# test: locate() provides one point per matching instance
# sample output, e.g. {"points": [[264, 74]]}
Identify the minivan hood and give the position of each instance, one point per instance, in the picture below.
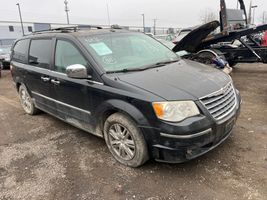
{"points": [[182, 80]]}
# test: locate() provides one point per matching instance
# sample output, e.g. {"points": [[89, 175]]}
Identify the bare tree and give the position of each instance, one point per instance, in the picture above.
{"points": [[208, 15]]}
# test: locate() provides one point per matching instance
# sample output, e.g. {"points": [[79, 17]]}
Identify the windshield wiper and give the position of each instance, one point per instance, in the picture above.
{"points": [[161, 64], [126, 70], [168, 62], [158, 64]]}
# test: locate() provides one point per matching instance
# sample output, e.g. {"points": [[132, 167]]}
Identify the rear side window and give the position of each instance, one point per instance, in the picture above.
{"points": [[40, 53], [66, 55], [20, 51]]}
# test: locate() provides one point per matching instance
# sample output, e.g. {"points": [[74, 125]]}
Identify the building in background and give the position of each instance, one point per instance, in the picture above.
{"points": [[11, 30]]}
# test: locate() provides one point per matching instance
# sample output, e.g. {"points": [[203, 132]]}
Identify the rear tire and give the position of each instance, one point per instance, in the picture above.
{"points": [[26, 101], [125, 140]]}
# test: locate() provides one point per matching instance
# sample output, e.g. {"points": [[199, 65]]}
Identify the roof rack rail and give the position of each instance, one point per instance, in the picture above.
{"points": [[89, 26], [116, 26], [69, 28]]}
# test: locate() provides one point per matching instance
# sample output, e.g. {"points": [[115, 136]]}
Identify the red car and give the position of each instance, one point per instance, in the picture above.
{"points": [[264, 39]]}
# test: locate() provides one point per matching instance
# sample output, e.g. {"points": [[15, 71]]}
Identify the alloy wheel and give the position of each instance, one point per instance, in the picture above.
{"points": [[121, 141], [25, 100]]}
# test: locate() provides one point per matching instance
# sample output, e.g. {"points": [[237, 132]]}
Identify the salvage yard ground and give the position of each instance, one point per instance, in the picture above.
{"points": [[42, 157]]}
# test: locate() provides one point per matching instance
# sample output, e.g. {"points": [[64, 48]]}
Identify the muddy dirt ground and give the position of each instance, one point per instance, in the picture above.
{"points": [[42, 157]]}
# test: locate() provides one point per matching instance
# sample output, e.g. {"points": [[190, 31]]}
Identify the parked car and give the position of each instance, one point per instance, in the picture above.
{"points": [[150, 34], [5, 57], [235, 46], [206, 57], [181, 34], [167, 43], [166, 37], [128, 88], [264, 39]]}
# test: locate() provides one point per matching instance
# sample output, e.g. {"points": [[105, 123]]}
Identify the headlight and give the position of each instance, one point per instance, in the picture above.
{"points": [[175, 111]]}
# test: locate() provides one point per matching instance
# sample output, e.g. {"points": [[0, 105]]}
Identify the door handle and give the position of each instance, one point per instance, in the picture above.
{"points": [[56, 82], [45, 79]]}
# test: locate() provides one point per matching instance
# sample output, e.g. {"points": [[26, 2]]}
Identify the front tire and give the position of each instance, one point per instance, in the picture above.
{"points": [[125, 140], [26, 101]]}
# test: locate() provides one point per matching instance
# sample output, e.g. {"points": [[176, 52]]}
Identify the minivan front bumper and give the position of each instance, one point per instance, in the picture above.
{"points": [[178, 148]]}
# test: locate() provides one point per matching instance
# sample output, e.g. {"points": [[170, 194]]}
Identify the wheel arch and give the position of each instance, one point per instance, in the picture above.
{"points": [[110, 107], [215, 52], [18, 84]]}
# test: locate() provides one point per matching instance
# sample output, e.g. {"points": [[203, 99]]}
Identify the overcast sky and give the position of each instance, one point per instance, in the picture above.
{"points": [[170, 13]]}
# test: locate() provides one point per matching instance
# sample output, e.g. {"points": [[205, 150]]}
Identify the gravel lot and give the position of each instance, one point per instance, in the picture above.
{"points": [[42, 157]]}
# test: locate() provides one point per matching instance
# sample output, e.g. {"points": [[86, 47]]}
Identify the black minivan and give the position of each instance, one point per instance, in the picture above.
{"points": [[128, 88]]}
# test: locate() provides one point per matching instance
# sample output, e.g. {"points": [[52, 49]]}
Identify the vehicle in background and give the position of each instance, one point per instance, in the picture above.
{"points": [[181, 34], [150, 34], [264, 40], [128, 88], [167, 37], [236, 42], [5, 57], [167, 43], [206, 57]]}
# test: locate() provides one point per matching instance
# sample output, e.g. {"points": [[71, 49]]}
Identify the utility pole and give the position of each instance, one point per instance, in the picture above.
{"points": [[67, 11], [254, 8], [108, 14], [144, 22], [22, 28], [250, 14], [155, 20], [264, 18]]}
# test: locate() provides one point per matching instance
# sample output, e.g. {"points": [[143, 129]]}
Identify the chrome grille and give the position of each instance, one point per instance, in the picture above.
{"points": [[220, 103]]}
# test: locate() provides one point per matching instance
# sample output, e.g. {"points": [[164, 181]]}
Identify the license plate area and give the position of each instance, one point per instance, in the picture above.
{"points": [[229, 126]]}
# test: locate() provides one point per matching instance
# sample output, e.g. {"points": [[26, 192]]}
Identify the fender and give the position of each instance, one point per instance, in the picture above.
{"points": [[17, 79], [18, 82], [116, 105]]}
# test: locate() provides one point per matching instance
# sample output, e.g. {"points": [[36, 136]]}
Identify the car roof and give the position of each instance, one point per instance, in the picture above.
{"points": [[75, 33]]}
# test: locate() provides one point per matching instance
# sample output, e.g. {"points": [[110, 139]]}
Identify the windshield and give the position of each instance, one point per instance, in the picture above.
{"points": [[126, 51]]}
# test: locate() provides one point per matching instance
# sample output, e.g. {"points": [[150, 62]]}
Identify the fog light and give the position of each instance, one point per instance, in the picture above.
{"points": [[189, 151]]}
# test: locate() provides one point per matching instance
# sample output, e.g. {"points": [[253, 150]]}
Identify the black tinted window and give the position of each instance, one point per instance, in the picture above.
{"points": [[40, 53], [20, 51], [66, 55]]}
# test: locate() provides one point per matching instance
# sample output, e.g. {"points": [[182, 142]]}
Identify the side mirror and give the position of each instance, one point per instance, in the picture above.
{"points": [[77, 71]]}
